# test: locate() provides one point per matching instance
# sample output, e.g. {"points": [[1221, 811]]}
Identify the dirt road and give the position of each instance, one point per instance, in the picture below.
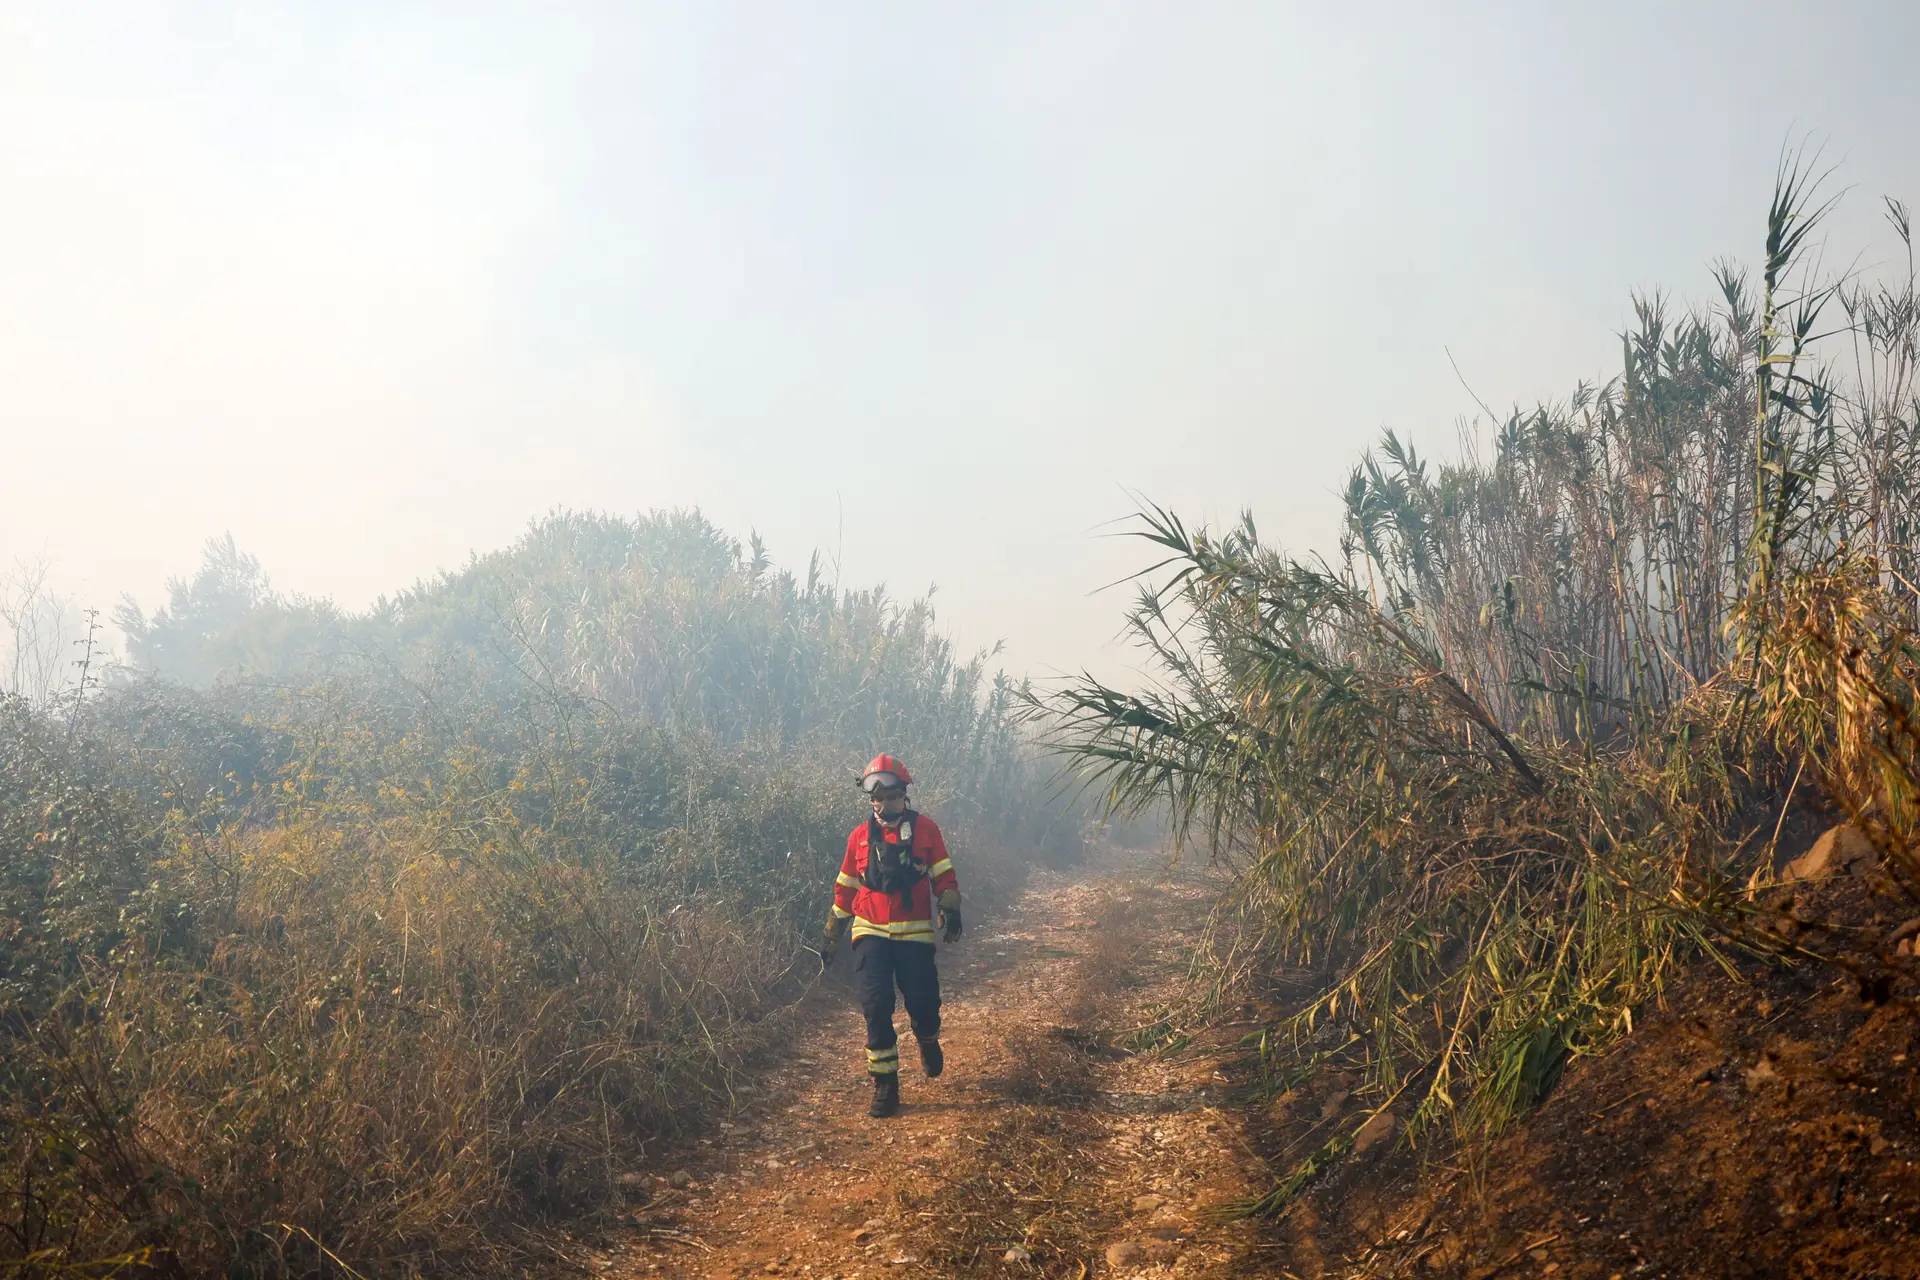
{"points": [[1050, 1146]]}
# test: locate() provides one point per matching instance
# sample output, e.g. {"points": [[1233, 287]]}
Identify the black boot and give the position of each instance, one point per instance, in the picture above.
{"points": [[886, 1095], [931, 1059]]}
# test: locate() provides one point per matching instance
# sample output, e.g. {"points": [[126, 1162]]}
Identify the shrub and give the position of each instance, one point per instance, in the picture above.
{"points": [[392, 947]]}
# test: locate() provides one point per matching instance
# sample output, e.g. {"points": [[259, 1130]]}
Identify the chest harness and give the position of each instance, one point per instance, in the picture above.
{"points": [[891, 868]]}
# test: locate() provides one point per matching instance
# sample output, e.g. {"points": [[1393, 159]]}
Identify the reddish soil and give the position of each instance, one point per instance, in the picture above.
{"points": [[1765, 1123], [1037, 1150]]}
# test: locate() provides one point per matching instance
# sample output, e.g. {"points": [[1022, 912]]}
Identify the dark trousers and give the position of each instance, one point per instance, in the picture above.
{"points": [[879, 964]]}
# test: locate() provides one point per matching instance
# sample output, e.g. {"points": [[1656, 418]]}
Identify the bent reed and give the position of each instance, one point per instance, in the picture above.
{"points": [[1491, 771]]}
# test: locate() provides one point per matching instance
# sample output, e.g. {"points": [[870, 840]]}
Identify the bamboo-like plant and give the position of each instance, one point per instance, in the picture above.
{"points": [[1474, 771]]}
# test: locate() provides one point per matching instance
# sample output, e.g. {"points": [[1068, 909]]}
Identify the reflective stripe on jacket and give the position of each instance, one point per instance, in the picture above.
{"points": [[882, 915]]}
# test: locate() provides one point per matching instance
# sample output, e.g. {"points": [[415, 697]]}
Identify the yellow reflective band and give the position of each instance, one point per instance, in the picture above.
{"points": [[884, 1068], [839, 912], [898, 930], [847, 880], [941, 867], [881, 1055]]}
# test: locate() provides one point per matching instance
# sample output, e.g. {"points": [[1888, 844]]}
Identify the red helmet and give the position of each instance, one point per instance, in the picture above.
{"points": [[884, 771]]}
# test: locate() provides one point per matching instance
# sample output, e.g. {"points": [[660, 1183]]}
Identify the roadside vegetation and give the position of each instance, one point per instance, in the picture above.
{"points": [[386, 943], [1547, 720]]}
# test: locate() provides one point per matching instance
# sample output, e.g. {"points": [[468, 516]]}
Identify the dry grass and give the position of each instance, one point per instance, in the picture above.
{"points": [[386, 1058], [395, 967], [1837, 687]]}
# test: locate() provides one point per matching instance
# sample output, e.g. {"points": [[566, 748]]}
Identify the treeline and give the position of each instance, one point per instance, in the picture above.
{"points": [[389, 940], [1489, 770]]}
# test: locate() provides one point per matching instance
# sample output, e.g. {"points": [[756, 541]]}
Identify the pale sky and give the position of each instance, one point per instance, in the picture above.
{"points": [[373, 285]]}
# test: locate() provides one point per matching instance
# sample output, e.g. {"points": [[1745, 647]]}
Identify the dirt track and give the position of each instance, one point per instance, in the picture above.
{"points": [[1037, 1152], [1758, 1126]]}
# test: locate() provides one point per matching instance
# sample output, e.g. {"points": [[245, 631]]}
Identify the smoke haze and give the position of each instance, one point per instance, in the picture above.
{"points": [[928, 290]]}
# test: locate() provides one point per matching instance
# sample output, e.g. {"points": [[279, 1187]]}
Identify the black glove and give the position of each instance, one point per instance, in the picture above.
{"points": [[950, 924], [830, 941]]}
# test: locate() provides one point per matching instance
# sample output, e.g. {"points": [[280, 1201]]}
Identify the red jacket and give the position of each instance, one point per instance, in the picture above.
{"points": [[881, 915]]}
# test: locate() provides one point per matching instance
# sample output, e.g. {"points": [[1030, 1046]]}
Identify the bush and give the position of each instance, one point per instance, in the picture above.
{"points": [[394, 948]]}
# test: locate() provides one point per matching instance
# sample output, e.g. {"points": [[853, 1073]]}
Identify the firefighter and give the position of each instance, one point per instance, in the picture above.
{"points": [[895, 872]]}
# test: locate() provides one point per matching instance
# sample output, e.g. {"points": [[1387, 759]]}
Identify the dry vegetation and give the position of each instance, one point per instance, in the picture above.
{"points": [[394, 948], [1489, 773], [387, 942]]}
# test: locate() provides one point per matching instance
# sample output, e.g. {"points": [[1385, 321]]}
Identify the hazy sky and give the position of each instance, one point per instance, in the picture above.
{"points": [[373, 285]]}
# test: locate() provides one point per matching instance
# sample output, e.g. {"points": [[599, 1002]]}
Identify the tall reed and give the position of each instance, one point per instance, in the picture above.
{"points": [[1474, 767]]}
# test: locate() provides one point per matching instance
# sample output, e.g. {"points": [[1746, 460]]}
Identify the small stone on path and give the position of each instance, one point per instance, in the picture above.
{"points": [[1125, 1253], [1147, 1204]]}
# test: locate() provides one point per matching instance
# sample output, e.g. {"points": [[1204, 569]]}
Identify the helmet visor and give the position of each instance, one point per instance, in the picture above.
{"points": [[878, 781]]}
